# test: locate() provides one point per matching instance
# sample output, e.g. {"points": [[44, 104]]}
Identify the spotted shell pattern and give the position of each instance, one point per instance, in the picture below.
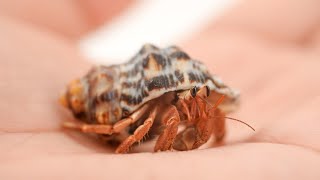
{"points": [[152, 72]]}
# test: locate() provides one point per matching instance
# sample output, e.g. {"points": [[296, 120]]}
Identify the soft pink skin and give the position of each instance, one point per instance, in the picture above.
{"points": [[276, 66]]}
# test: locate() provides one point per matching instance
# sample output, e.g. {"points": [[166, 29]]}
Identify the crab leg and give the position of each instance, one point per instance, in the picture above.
{"points": [[138, 134], [123, 123], [183, 107], [214, 124], [203, 133], [212, 121], [185, 139], [218, 123], [106, 129], [203, 126], [194, 136], [170, 120], [88, 128]]}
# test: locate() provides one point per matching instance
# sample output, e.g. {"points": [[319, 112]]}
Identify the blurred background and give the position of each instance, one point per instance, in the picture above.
{"points": [[162, 22]]}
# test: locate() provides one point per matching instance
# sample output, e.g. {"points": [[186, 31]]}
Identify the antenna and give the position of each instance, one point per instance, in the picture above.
{"points": [[219, 101]]}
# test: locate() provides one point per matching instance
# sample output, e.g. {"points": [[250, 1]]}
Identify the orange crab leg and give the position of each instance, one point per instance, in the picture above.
{"points": [[218, 125], [123, 123], [171, 122], [88, 128], [138, 134]]}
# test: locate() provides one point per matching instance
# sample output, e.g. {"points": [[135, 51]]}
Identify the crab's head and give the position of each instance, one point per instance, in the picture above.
{"points": [[74, 98]]}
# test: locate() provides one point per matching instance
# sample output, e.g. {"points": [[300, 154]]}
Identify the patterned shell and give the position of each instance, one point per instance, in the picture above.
{"points": [[122, 89]]}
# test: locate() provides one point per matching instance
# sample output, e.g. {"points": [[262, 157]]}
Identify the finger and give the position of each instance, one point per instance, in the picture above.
{"points": [[69, 18]]}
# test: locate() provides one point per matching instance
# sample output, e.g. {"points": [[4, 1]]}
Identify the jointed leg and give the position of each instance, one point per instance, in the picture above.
{"points": [[88, 128], [123, 123], [185, 139], [183, 107], [171, 122], [203, 123], [214, 123], [106, 129], [194, 137], [199, 129], [138, 134], [203, 132], [218, 123]]}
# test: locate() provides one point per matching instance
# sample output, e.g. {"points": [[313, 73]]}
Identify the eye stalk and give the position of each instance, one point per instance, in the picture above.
{"points": [[194, 91]]}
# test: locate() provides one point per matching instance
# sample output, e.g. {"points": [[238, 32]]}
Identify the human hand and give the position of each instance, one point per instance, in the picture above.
{"points": [[277, 75]]}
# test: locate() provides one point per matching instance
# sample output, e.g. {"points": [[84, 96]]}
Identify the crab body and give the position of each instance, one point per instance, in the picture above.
{"points": [[154, 84]]}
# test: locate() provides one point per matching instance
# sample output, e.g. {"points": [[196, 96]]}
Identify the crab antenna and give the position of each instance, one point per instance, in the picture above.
{"points": [[217, 104], [240, 122], [219, 101]]}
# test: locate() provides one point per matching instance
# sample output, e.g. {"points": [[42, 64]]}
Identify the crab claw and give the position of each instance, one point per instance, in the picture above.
{"points": [[203, 133], [185, 139]]}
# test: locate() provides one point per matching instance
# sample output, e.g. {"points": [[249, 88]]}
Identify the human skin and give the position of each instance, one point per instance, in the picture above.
{"points": [[267, 49]]}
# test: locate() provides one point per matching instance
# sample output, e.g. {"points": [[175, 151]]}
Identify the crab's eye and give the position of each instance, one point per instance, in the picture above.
{"points": [[194, 91], [208, 91]]}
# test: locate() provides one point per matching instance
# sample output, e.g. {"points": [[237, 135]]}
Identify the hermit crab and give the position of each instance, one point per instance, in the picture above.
{"points": [[160, 92]]}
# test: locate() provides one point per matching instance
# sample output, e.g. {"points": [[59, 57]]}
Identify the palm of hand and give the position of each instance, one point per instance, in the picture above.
{"points": [[280, 98]]}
